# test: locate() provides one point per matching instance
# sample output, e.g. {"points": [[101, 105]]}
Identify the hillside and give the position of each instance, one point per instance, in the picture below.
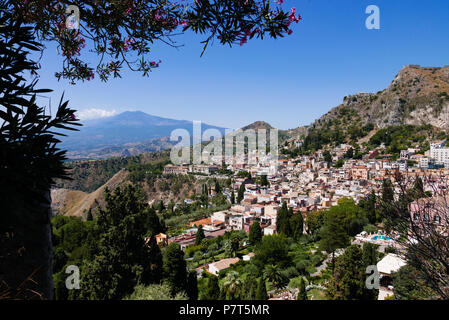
{"points": [[417, 96], [77, 203]]}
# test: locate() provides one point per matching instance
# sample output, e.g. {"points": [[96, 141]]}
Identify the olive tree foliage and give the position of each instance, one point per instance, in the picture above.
{"points": [[420, 222], [123, 33], [29, 162]]}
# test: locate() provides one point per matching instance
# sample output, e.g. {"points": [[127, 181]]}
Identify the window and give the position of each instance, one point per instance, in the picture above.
{"points": [[437, 219]]}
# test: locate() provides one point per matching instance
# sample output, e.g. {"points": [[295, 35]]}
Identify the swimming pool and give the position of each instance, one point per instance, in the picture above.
{"points": [[380, 238]]}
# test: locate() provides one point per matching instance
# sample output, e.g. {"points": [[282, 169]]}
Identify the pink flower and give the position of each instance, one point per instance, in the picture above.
{"points": [[290, 31], [279, 2]]}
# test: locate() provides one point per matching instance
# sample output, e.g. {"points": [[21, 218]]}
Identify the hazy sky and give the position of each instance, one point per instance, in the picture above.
{"points": [[287, 82]]}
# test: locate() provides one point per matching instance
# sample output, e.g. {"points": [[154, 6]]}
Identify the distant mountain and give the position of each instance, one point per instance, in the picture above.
{"points": [[125, 134], [258, 125]]}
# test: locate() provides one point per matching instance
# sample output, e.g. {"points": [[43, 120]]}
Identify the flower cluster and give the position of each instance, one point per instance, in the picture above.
{"points": [[115, 30]]}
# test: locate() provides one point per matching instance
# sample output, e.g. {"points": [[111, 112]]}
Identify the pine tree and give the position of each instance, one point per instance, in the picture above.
{"points": [[232, 197], [348, 281], [333, 235]]}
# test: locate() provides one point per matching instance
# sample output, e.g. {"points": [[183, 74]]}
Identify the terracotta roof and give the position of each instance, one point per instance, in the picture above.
{"points": [[225, 263], [201, 222]]}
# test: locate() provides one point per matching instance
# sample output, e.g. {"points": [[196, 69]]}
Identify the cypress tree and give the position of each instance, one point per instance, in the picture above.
{"points": [[212, 289], [175, 269], [261, 292], [255, 233], [241, 193], [302, 294], [283, 221], [199, 235], [192, 285]]}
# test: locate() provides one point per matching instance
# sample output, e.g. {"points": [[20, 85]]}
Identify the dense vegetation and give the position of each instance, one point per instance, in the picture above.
{"points": [[88, 175]]}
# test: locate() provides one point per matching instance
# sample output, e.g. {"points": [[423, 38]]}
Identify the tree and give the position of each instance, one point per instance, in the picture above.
{"points": [[217, 187], [264, 180], [369, 206], [272, 273], [155, 292], [155, 261], [348, 281], [410, 284], [420, 226], [349, 154], [30, 160], [235, 243], [283, 220], [120, 257], [339, 163], [272, 249], [351, 216], [161, 206], [255, 233], [199, 235], [302, 293], [117, 32], [212, 291], [240, 193], [89, 216], [333, 235], [175, 268], [327, 157], [232, 197], [192, 285], [369, 258], [130, 28], [315, 221], [232, 286], [261, 292], [297, 225]]}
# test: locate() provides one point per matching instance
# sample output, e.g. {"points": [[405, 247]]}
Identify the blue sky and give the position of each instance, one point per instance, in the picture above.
{"points": [[287, 82]]}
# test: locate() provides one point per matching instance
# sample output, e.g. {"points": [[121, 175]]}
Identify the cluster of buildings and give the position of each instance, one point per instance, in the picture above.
{"points": [[308, 183]]}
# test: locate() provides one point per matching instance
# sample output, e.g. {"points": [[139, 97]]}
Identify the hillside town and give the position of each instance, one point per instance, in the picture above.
{"points": [[307, 184]]}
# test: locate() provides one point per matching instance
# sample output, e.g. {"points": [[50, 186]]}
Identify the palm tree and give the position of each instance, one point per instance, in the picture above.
{"points": [[232, 285], [273, 274]]}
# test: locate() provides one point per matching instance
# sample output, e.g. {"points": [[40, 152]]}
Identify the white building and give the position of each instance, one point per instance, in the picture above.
{"points": [[389, 264], [438, 152]]}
